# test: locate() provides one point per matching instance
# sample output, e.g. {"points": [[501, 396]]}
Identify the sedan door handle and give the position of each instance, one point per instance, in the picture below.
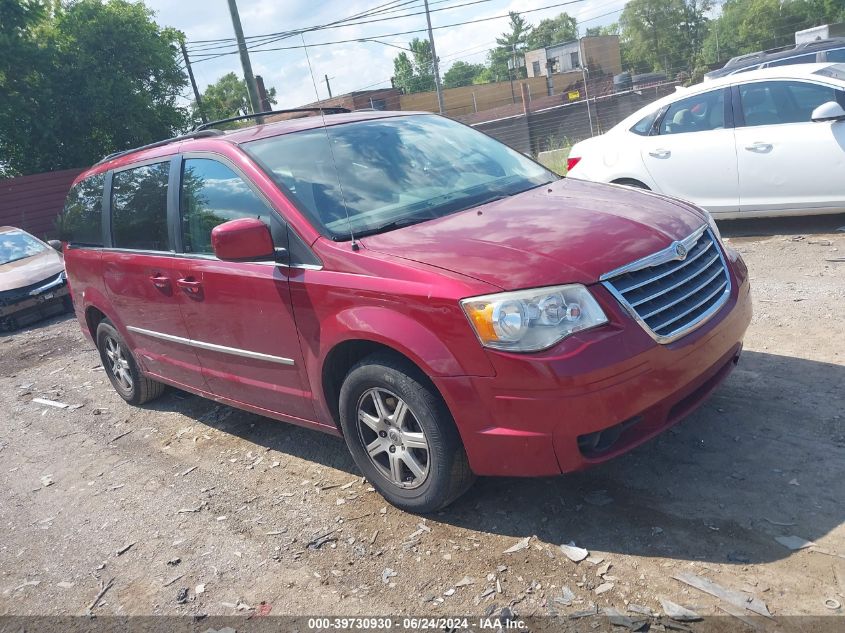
{"points": [[189, 285], [160, 281], [759, 147], [660, 153]]}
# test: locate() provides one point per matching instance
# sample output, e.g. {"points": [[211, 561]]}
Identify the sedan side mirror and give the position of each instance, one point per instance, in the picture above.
{"points": [[56, 244], [830, 111], [247, 239]]}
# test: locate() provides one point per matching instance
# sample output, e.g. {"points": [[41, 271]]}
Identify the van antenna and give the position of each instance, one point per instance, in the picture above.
{"points": [[329, 142]]}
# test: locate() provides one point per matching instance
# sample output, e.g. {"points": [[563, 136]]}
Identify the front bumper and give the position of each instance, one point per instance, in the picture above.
{"points": [[28, 305], [597, 395]]}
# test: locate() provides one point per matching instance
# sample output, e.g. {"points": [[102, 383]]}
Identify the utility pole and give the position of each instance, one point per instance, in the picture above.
{"points": [[434, 57], [262, 94], [251, 86], [328, 86], [197, 96], [587, 97], [512, 71]]}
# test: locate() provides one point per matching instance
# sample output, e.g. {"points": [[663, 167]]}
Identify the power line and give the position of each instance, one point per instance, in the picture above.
{"points": [[387, 35], [275, 37], [348, 21], [257, 40], [376, 9]]}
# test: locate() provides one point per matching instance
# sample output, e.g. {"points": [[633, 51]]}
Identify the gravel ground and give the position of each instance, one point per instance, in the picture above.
{"points": [[195, 508]]}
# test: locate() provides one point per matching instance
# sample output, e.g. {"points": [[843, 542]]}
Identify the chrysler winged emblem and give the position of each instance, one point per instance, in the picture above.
{"points": [[680, 251]]}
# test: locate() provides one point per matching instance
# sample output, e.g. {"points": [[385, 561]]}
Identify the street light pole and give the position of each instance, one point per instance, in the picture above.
{"points": [[251, 86], [436, 65]]}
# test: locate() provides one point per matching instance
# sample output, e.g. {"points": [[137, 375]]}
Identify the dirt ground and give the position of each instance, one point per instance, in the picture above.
{"points": [[195, 508]]}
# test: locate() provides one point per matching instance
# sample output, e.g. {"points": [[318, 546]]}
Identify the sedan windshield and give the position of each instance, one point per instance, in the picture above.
{"points": [[16, 245], [373, 176]]}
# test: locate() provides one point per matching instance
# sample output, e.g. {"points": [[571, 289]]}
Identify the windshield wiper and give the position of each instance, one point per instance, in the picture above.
{"points": [[16, 259], [391, 226]]}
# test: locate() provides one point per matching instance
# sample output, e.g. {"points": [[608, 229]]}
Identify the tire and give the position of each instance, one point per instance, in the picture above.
{"points": [[121, 368], [67, 303], [412, 478]]}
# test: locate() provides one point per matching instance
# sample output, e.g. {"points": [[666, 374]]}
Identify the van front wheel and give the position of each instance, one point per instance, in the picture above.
{"points": [[401, 435]]}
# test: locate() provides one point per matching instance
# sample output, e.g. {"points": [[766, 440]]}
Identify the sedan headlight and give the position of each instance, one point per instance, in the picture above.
{"points": [[532, 320]]}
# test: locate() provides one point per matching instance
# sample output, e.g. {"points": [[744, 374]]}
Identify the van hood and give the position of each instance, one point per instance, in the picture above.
{"points": [[30, 270], [569, 231]]}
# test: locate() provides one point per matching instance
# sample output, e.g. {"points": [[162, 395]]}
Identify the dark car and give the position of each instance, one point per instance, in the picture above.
{"points": [[33, 284], [827, 50]]}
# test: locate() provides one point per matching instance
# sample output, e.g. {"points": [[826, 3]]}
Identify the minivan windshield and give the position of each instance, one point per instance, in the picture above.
{"points": [[377, 175], [15, 245]]}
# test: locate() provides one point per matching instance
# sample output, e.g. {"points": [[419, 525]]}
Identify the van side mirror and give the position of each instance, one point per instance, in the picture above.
{"points": [[830, 111], [247, 239]]}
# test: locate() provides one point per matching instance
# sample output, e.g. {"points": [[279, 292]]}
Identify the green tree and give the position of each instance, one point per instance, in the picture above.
{"points": [[462, 74], [664, 35], [414, 73], [510, 46], [557, 30], [20, 58], [746, 26], [227, 97], [599, 31], [93, 77]]}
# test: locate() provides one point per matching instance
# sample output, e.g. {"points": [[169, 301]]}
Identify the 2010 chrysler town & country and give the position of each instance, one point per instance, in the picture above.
{"points": [[448, 306]]}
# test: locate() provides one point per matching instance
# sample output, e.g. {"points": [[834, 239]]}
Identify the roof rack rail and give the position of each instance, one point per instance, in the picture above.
{"points": [[167, 141], [243, 117]]}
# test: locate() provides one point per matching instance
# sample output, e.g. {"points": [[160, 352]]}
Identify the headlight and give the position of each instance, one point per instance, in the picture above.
{"points": [[532, 320]]}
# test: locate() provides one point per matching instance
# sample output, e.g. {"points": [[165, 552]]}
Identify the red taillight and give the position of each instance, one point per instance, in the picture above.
{"points": [[571, 162]]}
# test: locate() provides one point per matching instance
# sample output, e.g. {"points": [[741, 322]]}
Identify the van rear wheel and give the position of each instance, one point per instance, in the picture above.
{"points": [[121, 368], [402, 436]]}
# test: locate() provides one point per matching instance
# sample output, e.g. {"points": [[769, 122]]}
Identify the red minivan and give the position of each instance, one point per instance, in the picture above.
{"points": [[445, 304]]}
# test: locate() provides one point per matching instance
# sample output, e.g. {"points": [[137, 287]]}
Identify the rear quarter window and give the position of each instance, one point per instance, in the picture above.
{"points": [[81, 221], [644, 126]]}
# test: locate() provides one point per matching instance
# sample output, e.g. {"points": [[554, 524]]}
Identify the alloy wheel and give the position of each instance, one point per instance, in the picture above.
{"points": [[393, 438], [119, 365]]}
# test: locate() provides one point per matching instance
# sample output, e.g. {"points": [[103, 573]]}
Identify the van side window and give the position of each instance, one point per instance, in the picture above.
{"points": [[139, 208], [81, 222], [213, 194]]}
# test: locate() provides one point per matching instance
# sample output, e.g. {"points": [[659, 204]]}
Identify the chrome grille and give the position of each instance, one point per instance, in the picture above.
{"points": [[675, 290]]}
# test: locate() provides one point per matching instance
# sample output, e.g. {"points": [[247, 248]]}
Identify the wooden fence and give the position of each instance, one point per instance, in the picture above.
{"points": [[32, 203]]}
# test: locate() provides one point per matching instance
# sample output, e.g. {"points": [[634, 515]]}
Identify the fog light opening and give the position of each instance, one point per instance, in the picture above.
{"points": [[599, 442]]}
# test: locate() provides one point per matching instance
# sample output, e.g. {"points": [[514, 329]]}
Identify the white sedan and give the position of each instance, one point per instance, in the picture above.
{"points": [[763, 143]]}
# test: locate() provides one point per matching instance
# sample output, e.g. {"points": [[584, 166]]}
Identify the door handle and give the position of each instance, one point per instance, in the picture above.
{"points": [[660, 153], [189, 285], [160, 281], [759, 147]]}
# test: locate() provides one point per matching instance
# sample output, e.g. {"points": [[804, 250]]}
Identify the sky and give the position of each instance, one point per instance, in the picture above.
{"points": [[352, 65]]}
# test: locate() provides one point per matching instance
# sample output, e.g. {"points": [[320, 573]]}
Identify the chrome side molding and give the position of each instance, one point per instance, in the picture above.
{"points": [[234, 351]]}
